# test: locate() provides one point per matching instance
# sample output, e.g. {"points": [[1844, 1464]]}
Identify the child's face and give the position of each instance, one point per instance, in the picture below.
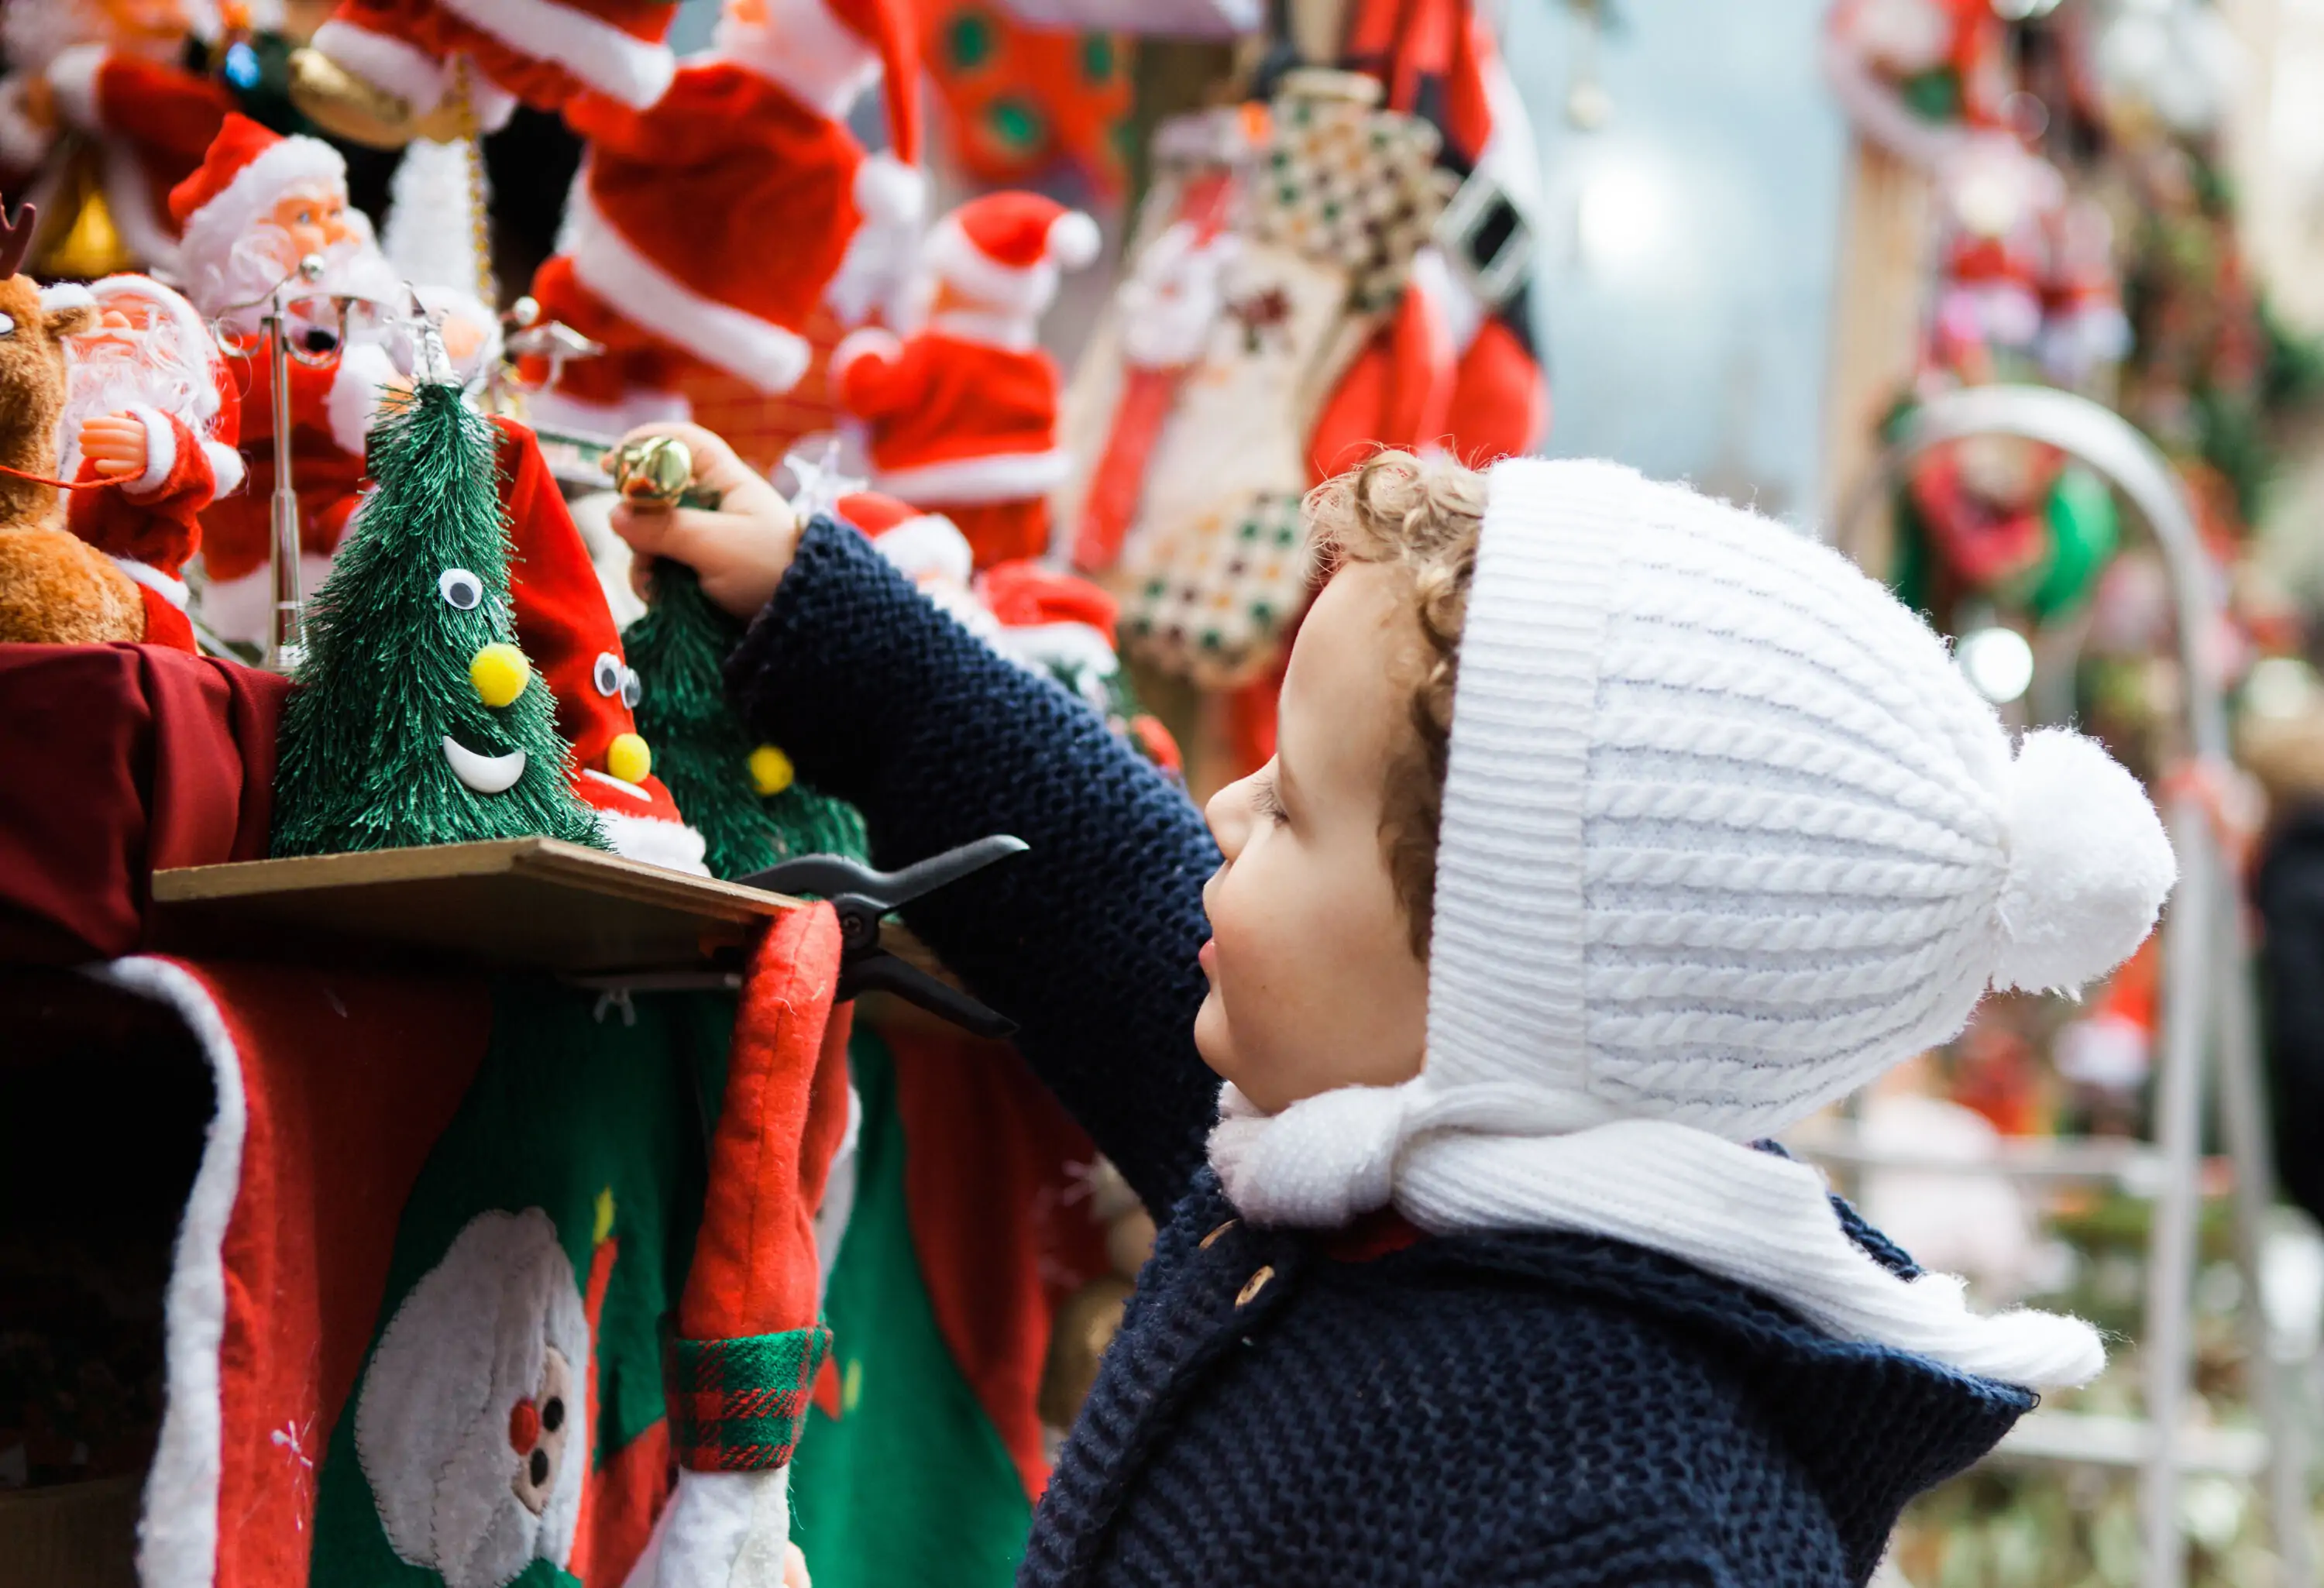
{"points": [[1313, 981]]}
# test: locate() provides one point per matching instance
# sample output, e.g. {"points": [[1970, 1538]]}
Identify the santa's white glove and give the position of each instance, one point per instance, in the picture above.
{"points": [[726, 1530]]}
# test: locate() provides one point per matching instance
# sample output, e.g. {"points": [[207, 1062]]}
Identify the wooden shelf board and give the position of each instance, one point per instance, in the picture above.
{"points": [[532, 903]]}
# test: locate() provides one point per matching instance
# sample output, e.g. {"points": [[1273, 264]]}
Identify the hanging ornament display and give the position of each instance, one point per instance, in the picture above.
{"points": [[1019, 101]]}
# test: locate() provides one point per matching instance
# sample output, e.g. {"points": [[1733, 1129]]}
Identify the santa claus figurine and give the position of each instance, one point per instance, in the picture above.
{"points": [[146, 436], [259, 206], [754, 135], [961, 417], [124, 89]]}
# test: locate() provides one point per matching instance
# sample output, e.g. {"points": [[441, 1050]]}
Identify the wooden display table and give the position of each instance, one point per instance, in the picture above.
{"points": [[516, 903]]}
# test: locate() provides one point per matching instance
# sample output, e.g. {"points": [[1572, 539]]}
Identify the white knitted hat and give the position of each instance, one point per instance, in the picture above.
{"points": [[1725, 834]]}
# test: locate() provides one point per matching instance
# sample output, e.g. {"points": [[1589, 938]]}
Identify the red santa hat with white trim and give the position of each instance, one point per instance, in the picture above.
{"points": [[247, 169], [1004, 250]]}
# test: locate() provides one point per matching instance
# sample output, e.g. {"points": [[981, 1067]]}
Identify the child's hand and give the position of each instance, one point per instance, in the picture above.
{"points": [[741, 549], [115, 443]]}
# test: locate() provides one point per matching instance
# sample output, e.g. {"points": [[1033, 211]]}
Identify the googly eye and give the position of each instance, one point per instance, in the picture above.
{"points": [[608, 674], [461, 589], [633, 688], [7, 325]]}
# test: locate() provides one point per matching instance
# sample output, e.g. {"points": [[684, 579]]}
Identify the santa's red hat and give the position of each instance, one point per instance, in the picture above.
{"points": [[892, 30], [1004, 250], [247, 169]]}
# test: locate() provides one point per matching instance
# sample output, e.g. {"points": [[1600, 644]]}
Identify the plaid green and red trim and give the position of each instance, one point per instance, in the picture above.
{"points": [[737, 1405]]}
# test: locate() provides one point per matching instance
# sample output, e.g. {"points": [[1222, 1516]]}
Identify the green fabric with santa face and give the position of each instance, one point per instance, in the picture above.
{"points": [[552, 1226], [387, 740]]}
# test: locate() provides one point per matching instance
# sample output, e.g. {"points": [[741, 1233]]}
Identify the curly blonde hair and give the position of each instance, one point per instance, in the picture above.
{"points": [[1420, 515]]}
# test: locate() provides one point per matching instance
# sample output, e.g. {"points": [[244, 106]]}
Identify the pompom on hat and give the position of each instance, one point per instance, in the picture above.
{"points": [[1725, 834]]}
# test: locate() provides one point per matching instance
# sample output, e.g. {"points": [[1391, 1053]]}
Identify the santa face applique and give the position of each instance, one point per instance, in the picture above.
{"points": [[471, 1426]]}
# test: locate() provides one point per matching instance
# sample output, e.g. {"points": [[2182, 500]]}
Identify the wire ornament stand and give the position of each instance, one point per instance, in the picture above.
{"points": [[2211, 1018]]}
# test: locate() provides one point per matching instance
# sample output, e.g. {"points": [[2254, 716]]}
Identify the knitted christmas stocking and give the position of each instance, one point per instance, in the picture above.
{"points": [[749, 1340]]}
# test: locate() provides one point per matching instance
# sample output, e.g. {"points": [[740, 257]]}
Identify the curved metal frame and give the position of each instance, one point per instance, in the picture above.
{"points": [[2207, 965]]}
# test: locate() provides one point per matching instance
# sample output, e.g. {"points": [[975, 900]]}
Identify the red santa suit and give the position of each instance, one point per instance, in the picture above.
{"points": [[542, 53], [154, 121], [961, 417], [149, 525], [566, 632], [755, 139]]}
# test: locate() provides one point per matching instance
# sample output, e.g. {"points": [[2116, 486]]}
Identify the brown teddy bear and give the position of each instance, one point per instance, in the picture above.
{"points": [[54, 588]]}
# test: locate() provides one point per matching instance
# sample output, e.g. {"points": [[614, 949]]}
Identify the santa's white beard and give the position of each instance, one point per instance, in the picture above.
{"points": [[230, 290], [109, 376]]}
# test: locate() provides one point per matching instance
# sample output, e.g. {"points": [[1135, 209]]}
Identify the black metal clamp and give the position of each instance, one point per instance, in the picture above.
{"points": [[862, 896]]}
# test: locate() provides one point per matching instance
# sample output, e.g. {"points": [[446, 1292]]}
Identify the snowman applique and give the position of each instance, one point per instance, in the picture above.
{"points": [[471, 1426]]}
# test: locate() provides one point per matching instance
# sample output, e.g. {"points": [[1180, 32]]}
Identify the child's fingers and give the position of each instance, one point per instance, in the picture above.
{"points": [[716, 470]]}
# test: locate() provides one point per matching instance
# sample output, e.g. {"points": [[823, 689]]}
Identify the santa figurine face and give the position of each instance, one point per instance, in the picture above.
{"points": [[311, 221]]}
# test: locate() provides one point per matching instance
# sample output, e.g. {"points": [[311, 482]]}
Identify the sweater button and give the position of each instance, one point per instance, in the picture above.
{"points": [[1211, 1240], [1253, 1286]]}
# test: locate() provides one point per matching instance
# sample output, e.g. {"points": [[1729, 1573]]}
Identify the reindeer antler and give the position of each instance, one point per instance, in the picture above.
{"points": [[15, 237]]}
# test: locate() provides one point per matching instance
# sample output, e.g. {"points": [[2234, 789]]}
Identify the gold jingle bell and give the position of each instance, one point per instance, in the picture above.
{"points": [[654, 469]]}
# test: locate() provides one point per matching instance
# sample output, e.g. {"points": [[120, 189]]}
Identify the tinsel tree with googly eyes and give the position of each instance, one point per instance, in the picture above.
{"points": [[414, 717], [738, 794]]}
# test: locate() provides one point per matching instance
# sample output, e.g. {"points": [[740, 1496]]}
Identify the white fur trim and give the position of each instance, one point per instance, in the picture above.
{"points": [[1076, 647], [726, 1530], [888, 190], [62, 295], [242, 609], [226, 468], [160, 450], [824, 64], [653, 840], [999, 476], [1015, 333], [759, 351], [214, 228], [72, 78], [364, 368], [142, 229], [22, 144], [930, 546], [600, 54], [172, 591], [403, 69], [870, 342], [177, 1535], [954, 258]]}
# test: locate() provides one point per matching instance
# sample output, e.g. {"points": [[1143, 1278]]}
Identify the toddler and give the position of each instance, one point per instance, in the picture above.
{"points": [[1612, 829]]}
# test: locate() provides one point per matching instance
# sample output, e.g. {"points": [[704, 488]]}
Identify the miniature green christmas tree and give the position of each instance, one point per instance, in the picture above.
{"points": [[737, 793], [414, 719]]}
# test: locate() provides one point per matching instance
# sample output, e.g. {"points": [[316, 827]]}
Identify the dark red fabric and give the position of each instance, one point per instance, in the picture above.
{"points": [[1001, 1226], [147, 758]]}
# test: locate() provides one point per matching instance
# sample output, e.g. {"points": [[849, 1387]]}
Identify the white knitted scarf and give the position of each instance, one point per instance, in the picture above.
{"points": [[1453, 1161]]}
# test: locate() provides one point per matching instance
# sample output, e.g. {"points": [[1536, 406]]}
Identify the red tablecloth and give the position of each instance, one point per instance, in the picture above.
{"points": [[122, 759]]}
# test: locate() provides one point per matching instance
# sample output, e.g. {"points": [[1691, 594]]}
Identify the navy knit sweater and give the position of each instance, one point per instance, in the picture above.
{"points": [[1281, 1409]]}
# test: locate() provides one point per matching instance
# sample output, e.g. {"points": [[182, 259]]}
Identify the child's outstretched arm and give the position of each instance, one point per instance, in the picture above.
{"points": [[1089, 940]]}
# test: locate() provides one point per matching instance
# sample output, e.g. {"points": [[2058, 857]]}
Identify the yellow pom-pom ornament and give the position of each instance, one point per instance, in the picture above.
{"points": [[771, 771], [628, 759], [500, 673]]}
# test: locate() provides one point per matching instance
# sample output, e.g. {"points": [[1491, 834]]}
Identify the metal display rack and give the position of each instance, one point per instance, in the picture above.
{"points": [[2209, 1031]]}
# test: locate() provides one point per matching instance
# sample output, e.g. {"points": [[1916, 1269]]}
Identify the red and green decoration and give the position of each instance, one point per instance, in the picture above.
{"points": [[1022, 101], [414, 719]]}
